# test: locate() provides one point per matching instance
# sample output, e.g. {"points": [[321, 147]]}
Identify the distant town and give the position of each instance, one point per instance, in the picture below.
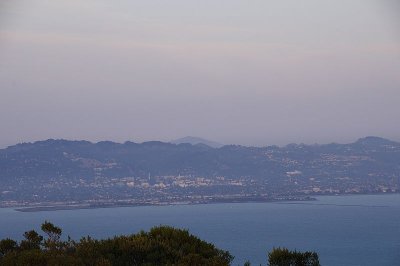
{"points": [[59, 174]]}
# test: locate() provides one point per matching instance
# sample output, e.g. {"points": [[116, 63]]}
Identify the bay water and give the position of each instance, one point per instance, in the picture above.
{"points": [[343, 230]]}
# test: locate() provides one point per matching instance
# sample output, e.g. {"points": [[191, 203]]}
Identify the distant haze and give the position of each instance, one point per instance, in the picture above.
{"points": [[246, 72]]}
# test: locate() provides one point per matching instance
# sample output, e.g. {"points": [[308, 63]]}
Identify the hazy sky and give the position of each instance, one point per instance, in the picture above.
{"points": [[248, 72]]}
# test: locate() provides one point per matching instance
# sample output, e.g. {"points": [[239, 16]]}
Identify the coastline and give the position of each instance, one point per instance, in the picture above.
{"points": [[60, 207], [56, 206]]}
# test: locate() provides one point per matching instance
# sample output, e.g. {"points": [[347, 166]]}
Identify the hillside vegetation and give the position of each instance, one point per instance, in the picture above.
{"points": [[162, 245]]}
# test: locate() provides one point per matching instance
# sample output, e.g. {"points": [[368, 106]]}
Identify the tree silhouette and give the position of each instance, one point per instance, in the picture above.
{"points": [[162, 245], [54, 234], [285, 257]]}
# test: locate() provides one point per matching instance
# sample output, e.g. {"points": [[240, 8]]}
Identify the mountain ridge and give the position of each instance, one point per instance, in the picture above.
{"points": [[196, 140], [374, 140], [62, 170]]}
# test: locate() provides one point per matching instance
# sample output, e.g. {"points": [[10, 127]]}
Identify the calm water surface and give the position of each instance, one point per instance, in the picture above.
{"points": [[344, 230]]}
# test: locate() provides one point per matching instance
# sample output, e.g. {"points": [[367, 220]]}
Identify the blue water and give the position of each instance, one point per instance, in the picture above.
{"points": [[344, 230]]}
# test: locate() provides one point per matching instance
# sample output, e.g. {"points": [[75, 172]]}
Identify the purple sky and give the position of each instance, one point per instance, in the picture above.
{"points": [[246, 72]]}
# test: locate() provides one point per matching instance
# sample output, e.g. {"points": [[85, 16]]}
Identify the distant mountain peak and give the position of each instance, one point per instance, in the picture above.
{"points": [[196, 140], [373, 140]]}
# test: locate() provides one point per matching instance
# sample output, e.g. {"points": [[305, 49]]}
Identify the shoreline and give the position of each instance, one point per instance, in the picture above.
{"points": [[144, 204], [256, 199]]}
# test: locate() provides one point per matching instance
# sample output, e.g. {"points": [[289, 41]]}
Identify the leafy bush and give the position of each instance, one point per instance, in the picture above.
{"points": [[162, 245], [285, 257]]}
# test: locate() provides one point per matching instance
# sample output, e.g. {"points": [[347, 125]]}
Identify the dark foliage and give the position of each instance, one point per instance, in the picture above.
{"points": [[285, 257], [162, 245]]}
